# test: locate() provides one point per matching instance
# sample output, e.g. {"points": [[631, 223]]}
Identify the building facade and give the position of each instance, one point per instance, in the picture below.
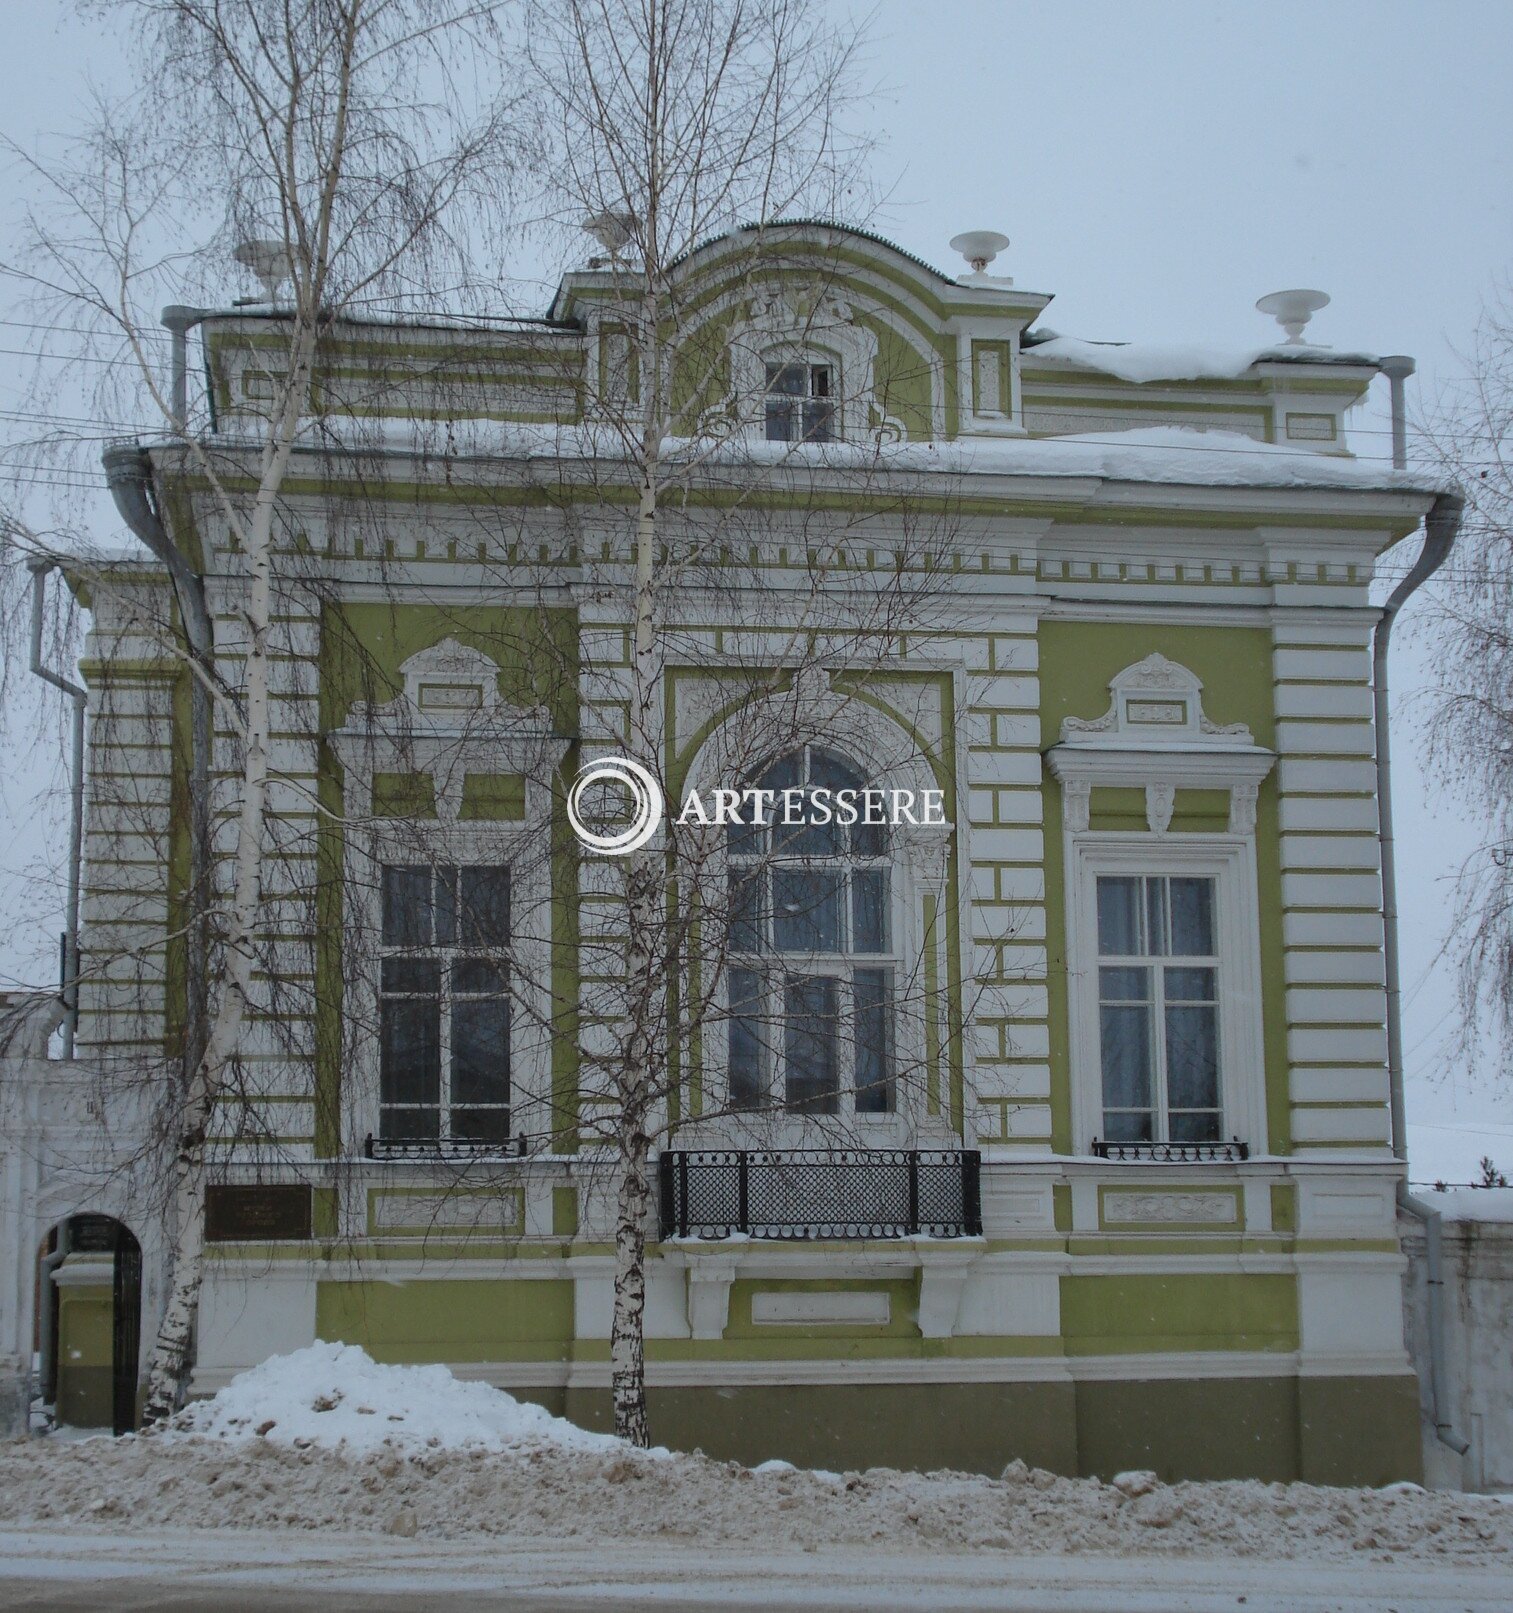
{"points": [[1057, 1129]]}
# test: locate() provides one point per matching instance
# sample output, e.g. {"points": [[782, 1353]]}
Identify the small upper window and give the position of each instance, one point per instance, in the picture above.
{"points": [[800, 403]]}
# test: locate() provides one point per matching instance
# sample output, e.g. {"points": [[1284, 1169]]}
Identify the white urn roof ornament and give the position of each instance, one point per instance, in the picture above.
{"points": [[979, 248], [611, 229], [268, 261], [1292, 310]]}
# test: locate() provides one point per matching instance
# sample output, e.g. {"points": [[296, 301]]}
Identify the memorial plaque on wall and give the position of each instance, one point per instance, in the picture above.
{"points": [[256, 1213]]}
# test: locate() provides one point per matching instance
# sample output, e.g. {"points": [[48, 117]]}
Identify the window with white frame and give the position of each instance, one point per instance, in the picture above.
{"points": [[1159, 982], [811, 972], [444, 1010], [800, 403]]}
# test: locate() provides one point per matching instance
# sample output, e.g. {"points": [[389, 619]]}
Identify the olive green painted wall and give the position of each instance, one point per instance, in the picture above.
{"points": [[1203, 1311], [447, 1320], [1320, 1430], [1077, 661]]}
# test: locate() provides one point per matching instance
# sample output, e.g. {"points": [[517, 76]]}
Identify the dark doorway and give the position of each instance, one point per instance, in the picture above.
{"points": [[90, 1377]]}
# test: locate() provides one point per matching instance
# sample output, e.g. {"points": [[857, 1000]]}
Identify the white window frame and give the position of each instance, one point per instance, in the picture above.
{"points": [[1230, 862]]}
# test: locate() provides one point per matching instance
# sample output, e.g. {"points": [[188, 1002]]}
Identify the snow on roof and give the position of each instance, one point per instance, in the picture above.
{"points": [[1178, 455], [1473, 1203], [337, 1395], [1175, 361]]}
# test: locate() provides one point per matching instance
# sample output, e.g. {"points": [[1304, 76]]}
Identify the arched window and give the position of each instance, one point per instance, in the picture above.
{"points": [[800, 402], [811, 962]]}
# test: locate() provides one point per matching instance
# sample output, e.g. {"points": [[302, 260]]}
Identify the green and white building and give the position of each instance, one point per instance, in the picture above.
{"points": [[1120, 1019]]}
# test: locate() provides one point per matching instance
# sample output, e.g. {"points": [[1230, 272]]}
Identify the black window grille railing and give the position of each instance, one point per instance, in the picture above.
{"points": [[445, 1148], [1173, 1153], [795, 1194]]}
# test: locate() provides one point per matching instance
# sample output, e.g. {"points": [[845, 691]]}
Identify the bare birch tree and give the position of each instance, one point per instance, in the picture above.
{"points": [[674, 121], [1468, 628], [344, 149]]}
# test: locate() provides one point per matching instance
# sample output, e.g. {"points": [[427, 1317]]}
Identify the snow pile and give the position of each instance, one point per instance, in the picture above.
{"points": [[550, 1492], [337, 1395]]}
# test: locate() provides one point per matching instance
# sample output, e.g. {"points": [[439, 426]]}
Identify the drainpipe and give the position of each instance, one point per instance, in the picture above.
{"points": [[1440, 526], [70, 988], [128, 473]]}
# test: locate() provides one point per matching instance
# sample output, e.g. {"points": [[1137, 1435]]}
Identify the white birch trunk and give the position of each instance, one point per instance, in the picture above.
{"points": [[172, 1358], [638, 1072]]}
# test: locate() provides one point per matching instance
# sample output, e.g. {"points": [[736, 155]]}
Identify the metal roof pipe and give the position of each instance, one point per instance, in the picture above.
{"points": [[1397, 367], [80, 698], [1440, 527], [179, 319], [128, 473]]}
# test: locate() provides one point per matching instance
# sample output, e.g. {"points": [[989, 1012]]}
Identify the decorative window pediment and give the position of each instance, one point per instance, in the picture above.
{"points": [[446, 740], [1156, 735], [1156, 703]]}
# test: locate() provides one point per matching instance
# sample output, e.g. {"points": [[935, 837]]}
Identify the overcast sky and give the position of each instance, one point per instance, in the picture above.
{"points": [[1157, 166]]}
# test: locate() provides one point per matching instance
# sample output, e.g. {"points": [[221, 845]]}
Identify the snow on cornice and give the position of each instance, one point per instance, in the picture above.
{"points": [[1175, 361], [1155, 455]]}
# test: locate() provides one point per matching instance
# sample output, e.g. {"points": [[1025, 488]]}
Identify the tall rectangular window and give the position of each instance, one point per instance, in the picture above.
{"points": [[444, 1011], [1158, 1008]]}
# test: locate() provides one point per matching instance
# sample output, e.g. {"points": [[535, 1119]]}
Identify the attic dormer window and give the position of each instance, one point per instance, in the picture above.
{"points": [[800, 403]]}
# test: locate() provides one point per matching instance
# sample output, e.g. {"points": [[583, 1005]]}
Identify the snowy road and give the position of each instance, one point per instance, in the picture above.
{"points": [[258, 1571]]}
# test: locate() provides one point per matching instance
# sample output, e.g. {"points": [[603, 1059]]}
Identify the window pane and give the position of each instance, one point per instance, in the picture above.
{"points": [[1119, 917], [812, 1044], [1129, 1127], [409, 1050], [869, 910], [1192, 918], [806, 910], [1192, 1057], [1197, 1127], [748, 1082], [481, 1125], [1190, 985], [486, 907], [480, 1051], [478, 977], [780, 414], [1155, 918], [406, 907], [1124, 985], [409, 1122], [1126, 1047], [819, 422], [788, 380], [413, 976], [446, 907], [874, 1062], [746, 910]]}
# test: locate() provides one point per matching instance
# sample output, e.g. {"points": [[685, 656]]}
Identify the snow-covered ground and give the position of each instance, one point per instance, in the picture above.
{"points": [[407, 1477]]}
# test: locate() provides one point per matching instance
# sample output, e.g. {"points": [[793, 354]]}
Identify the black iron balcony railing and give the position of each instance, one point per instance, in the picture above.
{"points": [[821, 1193], [1173, 1153], [428, 1150]]}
